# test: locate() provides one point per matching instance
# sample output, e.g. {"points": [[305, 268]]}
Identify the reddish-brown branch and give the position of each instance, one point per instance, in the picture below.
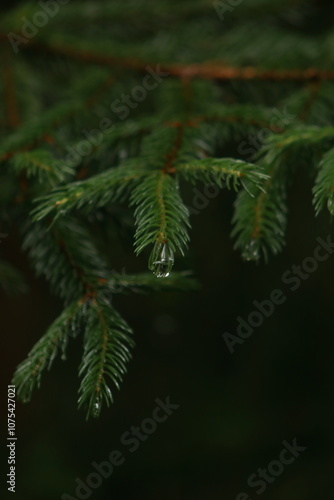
{"points": [[171, 156], [211, 70]]}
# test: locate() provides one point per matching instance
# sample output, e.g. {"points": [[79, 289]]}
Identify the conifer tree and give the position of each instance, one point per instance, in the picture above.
{"points": [[110, 109]]}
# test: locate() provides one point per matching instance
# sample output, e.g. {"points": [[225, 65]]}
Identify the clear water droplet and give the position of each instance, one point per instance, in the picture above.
{"points": [[97, 405], [251, 252], [161, 260]]}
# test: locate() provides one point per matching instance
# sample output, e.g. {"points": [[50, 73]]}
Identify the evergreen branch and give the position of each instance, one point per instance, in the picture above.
{"points": [[162, 219], [260, 221], [97, 191], [324, 185], [236, 119], [172, 155], [243, 114], [67, 256], [34, 130], [182, 99], [314, 102], [121, 282], [116, 12], [223, 171], [107, 347], [41, 164], [38, 128], [297, 137], [112, 142], [160, 148], [216, 94], [28, 374], [213, 70]]}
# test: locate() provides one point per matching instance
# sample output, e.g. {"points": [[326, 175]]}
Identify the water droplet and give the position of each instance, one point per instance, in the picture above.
{"points": [[251, 251], [161, 260], [97, 405]]}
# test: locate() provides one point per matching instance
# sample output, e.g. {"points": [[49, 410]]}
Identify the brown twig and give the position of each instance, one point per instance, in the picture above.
{"points": [[207, 70], [171, 156]]}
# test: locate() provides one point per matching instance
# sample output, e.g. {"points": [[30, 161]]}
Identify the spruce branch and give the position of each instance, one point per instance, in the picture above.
{"points": [[162, 219], [213, 70], [146, 132], [260, 221], [66, 254], [298, 137], [39, 129], [227, 172], [107, 350], [28, 374], [324, 185], [88, 195], [36, 129], [42, 165], [145, 282]]}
